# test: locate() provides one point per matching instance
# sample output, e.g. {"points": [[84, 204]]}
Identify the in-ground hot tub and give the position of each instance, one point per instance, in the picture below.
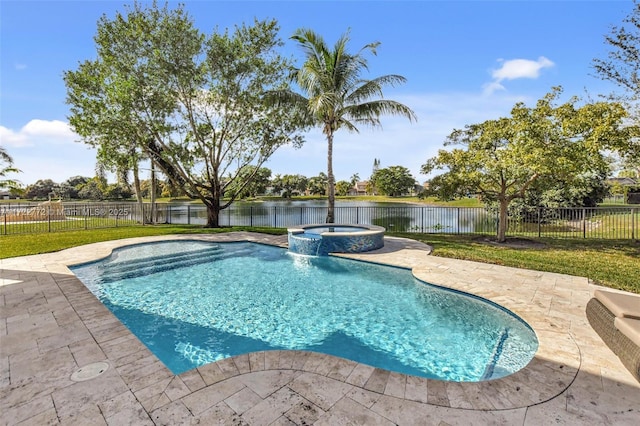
{"points": [[322, 239]]}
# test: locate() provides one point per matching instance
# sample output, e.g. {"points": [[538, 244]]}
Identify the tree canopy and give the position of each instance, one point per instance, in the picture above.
{"points": [[393, 181], [622, 67], [501, 159], [196, 105]]}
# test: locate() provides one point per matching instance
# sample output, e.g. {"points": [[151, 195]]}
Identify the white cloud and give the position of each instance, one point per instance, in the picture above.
{"points": [[513, 69], [521, 68], [489, 88], [37, 132]]}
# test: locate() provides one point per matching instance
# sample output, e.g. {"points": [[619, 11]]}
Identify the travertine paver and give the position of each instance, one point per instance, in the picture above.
{"points": [[51, 325]]}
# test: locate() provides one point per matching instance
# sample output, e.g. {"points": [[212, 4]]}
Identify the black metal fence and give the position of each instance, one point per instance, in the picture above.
{"points": [[600, 222]]}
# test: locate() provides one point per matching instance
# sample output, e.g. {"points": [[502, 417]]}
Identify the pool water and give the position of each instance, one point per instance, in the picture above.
{"points": [[194, 302], [320, 229]]}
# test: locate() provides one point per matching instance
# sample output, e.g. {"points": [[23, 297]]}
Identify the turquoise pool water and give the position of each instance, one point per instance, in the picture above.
{"points": [[321, 229], [195, 302]]}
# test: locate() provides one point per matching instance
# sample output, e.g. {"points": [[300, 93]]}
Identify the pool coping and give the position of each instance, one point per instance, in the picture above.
{"points": [[552, 304]]}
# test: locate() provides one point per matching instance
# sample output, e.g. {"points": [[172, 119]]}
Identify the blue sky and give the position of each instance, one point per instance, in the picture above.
{"points": [[465, 62]]}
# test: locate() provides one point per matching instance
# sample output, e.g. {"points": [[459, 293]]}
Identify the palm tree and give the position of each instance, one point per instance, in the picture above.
{"points": [[6, 169], [336, 94]]}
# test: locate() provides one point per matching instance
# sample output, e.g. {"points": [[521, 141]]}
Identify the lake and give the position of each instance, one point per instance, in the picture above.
{"points": [[401, 217]]}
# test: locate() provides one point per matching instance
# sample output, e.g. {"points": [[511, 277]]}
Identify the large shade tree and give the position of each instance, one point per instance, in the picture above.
{"points": [[196, 105], [622, 67], [501, 159], [337, 95]]}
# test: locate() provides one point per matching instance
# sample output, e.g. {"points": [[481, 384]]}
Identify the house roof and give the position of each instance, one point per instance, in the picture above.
{"points": [[624, 181]]}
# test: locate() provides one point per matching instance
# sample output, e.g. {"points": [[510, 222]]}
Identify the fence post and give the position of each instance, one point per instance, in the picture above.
{"points": [[539, 222], [275, 216], [5, 223], [633, 223], [251, 216], [584, 223], [188, 214], [49, 216]]}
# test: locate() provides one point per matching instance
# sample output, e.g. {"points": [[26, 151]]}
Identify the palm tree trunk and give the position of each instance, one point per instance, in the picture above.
{"points": [[331, 181]]}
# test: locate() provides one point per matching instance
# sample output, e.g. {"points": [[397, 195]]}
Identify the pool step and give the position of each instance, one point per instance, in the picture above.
{"points": [[134, 264], [138, 268]]}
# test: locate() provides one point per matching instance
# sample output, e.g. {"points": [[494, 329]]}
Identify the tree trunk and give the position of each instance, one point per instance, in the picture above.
{"points": [[503, 221], [213, 215], [136, 186], [213, 206], [153, 193], [331, 181]]}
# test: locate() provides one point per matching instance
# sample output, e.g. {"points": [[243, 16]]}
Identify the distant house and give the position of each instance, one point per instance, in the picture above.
{"points": [[6, 195], [623, 181], [631, 187], [360, 188]]}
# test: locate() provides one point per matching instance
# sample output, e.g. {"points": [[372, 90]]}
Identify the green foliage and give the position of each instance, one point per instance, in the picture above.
{"points": [[6, 167], [116, 191], [288, 185], [587, 190], [92, 190], [252, 187], [317, 185], [393, 181], [534, 147], [621, 67], [41, 190], [196, 105], [336, 95], [343, 187]]}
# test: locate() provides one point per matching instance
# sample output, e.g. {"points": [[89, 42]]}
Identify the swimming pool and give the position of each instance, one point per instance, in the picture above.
{"points": [[195, 302]]}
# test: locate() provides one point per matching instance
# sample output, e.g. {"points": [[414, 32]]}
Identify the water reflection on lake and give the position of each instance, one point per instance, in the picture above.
{"points": [[401, 217]]}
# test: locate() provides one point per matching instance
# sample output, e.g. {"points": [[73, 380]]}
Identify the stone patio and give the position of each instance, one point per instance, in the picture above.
{"points": [[51, 325]]}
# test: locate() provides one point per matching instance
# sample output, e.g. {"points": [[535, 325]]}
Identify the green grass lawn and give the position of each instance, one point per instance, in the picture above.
{"points": [[611, 263], [26, 244]]}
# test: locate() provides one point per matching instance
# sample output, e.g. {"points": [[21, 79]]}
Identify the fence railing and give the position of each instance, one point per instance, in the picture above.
{"points": [[599, 222]]}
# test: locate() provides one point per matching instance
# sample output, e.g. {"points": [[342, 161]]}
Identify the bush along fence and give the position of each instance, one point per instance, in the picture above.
{"points": [[599, 222]]}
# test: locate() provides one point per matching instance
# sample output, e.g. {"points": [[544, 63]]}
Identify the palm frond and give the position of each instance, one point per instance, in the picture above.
{"points": [[372, 88], [4, 155], [369, 112]]}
